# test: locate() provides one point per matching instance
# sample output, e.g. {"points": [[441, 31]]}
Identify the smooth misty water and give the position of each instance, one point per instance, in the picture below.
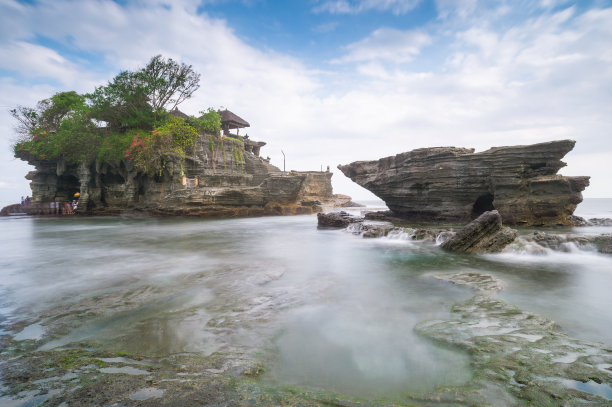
{"points": [[317, 307]]}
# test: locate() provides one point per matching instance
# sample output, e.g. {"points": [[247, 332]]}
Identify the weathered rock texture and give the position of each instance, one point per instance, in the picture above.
{"points": [[14, 209], [484, 234], [457, 185], [335, 219], [566, 242], [221, 177]]}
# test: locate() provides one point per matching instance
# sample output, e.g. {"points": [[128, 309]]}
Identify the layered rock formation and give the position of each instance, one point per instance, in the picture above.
{"points": [[485, 234], [448, 184], [222, 177]]}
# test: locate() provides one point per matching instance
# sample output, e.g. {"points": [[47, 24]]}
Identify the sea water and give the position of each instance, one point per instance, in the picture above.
{"points": [[322, 308]]}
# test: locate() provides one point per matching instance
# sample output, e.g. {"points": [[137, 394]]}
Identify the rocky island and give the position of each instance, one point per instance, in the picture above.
{"points": [[127, 148], [221, 176], [449, 184]]}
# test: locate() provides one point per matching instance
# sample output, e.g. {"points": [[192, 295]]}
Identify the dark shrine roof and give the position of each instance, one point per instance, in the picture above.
{"points": [[178, 113], [232, 121]]}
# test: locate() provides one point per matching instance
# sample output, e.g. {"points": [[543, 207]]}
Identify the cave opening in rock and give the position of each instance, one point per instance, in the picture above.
{"points": [[67, 186], [483, 203], [111, 178]]}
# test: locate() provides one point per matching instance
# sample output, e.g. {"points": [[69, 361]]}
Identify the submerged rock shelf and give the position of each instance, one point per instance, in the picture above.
{"points": [[518, 356]]}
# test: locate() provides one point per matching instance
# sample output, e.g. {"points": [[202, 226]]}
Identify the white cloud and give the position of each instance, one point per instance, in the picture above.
{"points": [[457, 9], [386, 44], [34, 61], [477, 84], [397, 7]]}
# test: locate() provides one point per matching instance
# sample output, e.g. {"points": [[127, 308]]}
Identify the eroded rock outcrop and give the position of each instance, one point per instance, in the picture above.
{"points": [[484, 234], [15, 209], [335, 219], [448, 184], [220, 177], [568, 242]]}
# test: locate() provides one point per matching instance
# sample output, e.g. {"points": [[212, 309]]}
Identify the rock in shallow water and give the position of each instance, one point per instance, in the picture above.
{"points": [[519, 358], [335, 219], [567, 242], [600, 222], [455, 184], [485, 234]]}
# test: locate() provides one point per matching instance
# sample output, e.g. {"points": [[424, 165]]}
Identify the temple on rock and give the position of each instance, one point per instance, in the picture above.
{"points": [[230, 120], [221, 175]]}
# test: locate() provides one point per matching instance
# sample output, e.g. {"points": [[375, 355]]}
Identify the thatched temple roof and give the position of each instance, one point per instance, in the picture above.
{"points": [[230, 120], [178, 113]]}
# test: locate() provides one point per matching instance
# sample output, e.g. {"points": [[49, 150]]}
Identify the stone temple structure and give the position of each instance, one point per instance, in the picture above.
{"points": [[223, 176]]}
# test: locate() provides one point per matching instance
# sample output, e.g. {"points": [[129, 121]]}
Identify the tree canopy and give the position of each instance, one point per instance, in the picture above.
{"points": [[125, 119], [140, 98]]}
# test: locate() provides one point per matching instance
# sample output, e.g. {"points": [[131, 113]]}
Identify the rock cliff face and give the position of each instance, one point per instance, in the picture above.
{"points": [[451, 184], [222, 177]]}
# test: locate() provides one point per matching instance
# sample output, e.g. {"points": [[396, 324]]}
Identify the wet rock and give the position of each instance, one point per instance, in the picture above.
{"points": [[603, 243], [445, 236], [443, 184], [600, 221], [430, 235], [579, 221], [336, 219], [518, 357], [477, 281], [12, 210], [566, 242], [559, 242], [485, 234], [371, 230]]}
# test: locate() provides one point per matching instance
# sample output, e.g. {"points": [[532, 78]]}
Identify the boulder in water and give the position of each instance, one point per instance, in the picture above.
{"points": [[336, 219], [603, 243], [484, 234]]}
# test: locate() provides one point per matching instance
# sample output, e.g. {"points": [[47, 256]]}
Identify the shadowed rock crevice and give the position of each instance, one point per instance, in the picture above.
{"points": [[483, 204]]}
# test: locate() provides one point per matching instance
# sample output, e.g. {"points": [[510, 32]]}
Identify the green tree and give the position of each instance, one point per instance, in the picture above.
{"points": [[209, 122], [140, 98], [122, 103], [168, 83], [48, 113], [133, 106]]}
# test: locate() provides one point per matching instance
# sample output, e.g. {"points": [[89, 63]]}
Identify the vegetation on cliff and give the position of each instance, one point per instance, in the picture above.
{"points": [[126, 119]]}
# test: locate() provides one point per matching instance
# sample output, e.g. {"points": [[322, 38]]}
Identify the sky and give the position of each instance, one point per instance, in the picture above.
{"points": [[335, 81]]}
